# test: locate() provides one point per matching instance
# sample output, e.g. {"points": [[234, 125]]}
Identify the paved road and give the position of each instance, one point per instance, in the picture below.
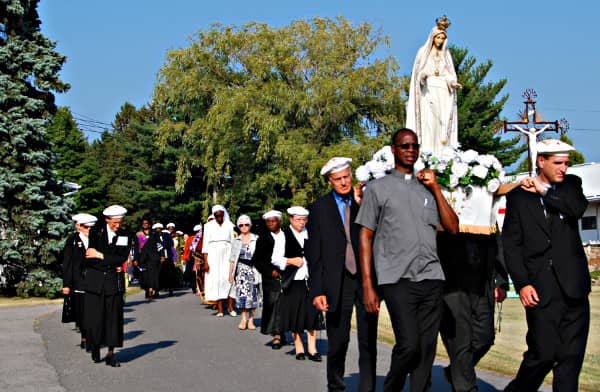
{"points": [[173, 344]]}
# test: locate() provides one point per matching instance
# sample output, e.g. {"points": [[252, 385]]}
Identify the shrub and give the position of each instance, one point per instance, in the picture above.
{"points": [[40, 283]]}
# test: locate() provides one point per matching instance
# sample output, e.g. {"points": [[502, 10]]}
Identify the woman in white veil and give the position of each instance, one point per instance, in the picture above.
{"points": [[431, 108]]}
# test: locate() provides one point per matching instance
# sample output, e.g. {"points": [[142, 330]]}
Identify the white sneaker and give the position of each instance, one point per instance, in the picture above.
{"points": [[219, 314], [233, 313]]}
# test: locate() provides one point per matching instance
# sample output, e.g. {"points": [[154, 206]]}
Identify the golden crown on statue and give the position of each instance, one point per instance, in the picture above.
{"points": [[442, 23]]}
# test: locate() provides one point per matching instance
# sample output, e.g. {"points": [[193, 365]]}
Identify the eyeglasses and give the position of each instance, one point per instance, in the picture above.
{"points": [[406, 146], [244, 224], [86, 226]]}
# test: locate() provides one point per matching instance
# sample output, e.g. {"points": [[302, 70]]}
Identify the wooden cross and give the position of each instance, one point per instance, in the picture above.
{"points": [[531, 126]]}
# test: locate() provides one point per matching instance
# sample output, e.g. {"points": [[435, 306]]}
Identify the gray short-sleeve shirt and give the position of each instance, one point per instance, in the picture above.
{"points": [[404, 215]]}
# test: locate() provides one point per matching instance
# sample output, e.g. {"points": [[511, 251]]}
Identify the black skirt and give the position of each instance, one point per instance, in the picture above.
{"points": [[297, 311]]}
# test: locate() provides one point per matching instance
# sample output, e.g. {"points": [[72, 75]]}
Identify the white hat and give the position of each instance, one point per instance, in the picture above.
{"points": [[244, 219], [272, 214], [297, 211], [86, 219], [179, 232], [554, 147], [76, 217], [157, 226], [171, 224], [197, 228], [114, 211], [335, 165]]}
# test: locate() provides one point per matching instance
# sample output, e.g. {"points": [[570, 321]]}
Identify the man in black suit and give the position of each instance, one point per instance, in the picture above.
{"points": [[332, 255], [548, 266], [108, 249]]}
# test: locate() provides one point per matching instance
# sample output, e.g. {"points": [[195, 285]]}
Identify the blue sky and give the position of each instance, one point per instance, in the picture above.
{"points": [[116, 48]]}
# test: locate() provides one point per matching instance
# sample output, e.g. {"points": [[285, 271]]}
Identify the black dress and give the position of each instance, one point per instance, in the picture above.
{"points": [[73, 276], [149, 263], [297, 311], [103, 319], [270, 322]]}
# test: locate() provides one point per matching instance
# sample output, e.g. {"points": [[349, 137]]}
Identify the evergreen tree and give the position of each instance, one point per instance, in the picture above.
{"points": [[68, 145], [33, 213], [479, 109]]}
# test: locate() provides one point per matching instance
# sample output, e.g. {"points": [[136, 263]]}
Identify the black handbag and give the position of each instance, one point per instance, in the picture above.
{"points": [[287, 276], [68, 313]]}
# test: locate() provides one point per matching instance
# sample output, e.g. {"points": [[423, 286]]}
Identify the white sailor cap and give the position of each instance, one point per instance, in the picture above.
{"points": [[554, 147], [197, 228], [157, 225], [335, 164], [179, 232], [297, 211], [86, 219], [115, 211], [76, 217], [170, 224], [272, 214]]}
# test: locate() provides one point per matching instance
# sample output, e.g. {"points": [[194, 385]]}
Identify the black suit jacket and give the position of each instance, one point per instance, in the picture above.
{"points": [[73, 262], [533, 248], [325, 249], [100, 275]]}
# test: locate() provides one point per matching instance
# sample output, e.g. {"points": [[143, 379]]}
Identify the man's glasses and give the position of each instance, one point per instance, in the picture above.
{"points": [[244, 224], [406, 146], [86, 226]]}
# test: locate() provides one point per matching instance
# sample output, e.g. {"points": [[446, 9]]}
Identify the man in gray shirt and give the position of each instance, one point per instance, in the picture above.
{"points": [[400, 215]]}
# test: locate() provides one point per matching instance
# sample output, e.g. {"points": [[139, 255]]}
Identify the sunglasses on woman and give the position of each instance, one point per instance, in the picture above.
{"points": [[244, 225]]}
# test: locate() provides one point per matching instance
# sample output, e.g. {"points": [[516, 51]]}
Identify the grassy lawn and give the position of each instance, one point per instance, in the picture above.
{"points": [[506, 354], [33, 301]]}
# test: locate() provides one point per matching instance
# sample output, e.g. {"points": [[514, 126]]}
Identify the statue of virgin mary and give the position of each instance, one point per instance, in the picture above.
{"points": [[431, 108]]}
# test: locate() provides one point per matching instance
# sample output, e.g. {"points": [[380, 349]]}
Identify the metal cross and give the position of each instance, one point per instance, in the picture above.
{"points": [[531, 127]]}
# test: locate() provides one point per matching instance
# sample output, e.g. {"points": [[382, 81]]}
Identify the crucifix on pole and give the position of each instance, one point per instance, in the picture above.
{"points": [[531, 126]]}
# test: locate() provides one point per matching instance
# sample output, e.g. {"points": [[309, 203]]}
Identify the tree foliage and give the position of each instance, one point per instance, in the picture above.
{"points": [[479, 109], [257, 111], [68, 145], [33, 213]]}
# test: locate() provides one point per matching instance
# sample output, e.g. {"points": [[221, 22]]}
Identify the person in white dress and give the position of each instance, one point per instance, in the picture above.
{"points": [[216, 247], [431, 109]]}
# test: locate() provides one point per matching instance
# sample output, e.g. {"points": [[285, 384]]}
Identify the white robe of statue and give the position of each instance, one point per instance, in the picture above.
{"points": [[431, 108]]}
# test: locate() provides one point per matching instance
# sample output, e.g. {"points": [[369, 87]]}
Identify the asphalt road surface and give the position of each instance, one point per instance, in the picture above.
{"points": [[172, 344]]}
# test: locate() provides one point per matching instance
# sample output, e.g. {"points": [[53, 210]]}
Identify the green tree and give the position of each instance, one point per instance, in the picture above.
{"points": [[479, 109], [33, 213], [68, 145], [257, 111]]}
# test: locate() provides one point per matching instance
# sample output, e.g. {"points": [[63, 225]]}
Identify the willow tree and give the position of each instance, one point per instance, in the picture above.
{"points": [[258, 110]]}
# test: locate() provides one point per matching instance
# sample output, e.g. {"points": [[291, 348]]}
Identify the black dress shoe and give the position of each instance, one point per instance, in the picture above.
{"points": [[82, 345], [316, 357], [300, 357], [276, 346], [110, 360], [96, 355]]}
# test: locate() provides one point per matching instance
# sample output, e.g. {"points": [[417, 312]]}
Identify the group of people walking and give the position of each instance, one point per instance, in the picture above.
{"points": [[396, 239]]}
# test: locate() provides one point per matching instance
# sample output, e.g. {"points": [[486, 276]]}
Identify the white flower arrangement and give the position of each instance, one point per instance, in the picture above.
{"points": [[381, 164], [453, 168]]}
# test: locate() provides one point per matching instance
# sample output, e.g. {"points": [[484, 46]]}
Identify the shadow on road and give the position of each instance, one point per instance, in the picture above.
{"points": [[132, 353], [128, 320], [132, 334]]}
